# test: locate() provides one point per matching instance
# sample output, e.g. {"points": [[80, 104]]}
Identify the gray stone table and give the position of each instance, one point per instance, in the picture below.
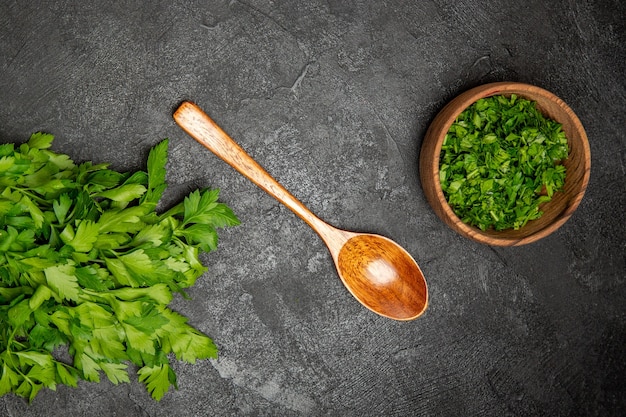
{"points": [[334, 98]]}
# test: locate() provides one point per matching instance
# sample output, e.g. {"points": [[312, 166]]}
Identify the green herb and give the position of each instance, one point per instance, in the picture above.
{"points": [[500, 161], [88, 268]]}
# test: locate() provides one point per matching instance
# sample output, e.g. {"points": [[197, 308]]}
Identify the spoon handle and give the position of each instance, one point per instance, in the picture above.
{"points": [[202, 128]]}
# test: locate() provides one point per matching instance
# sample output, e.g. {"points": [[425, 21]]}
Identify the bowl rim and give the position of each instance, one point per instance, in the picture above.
{"points": [[430, 157]]}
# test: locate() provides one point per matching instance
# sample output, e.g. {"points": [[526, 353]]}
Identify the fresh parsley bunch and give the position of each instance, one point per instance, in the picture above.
{"points": [[88, 268], [500, 160]]}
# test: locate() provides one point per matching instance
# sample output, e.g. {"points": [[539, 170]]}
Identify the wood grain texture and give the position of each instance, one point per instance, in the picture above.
{"points": [[555, 212], [378, 272]]}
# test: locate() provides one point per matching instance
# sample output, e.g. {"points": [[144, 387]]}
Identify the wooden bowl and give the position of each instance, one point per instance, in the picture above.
{"points": [[555, 212]]}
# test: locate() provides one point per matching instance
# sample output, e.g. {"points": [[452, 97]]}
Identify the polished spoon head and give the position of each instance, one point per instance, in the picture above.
{"points": [[382, 276]]}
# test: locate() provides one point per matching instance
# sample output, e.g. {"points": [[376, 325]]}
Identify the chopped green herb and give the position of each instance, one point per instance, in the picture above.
{"points": [[500, 160], [87, 265]]}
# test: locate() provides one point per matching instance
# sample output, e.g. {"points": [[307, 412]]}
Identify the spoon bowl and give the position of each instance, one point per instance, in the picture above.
{"points": [[378, 272]]}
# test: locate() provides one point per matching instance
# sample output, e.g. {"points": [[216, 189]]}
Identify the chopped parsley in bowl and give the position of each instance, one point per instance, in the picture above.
{"points": [[500, 160], [505, 163]]}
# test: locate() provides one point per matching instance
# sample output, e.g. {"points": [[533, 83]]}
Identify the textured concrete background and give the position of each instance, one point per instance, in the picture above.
{"points": [[333, 98]]}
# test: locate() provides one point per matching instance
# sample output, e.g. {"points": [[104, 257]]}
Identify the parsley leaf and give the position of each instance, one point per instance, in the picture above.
{"points": [[157, 378], [87, 263]]}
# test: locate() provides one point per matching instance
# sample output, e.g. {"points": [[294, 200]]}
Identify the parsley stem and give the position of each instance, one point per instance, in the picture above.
{"points": [[32, 195]]}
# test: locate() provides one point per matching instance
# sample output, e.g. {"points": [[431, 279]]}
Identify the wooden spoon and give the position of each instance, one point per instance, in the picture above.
{"points": [[377, 271]]}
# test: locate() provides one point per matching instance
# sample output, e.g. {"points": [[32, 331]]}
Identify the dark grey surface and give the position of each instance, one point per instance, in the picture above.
{"points": [[334, 98]]}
